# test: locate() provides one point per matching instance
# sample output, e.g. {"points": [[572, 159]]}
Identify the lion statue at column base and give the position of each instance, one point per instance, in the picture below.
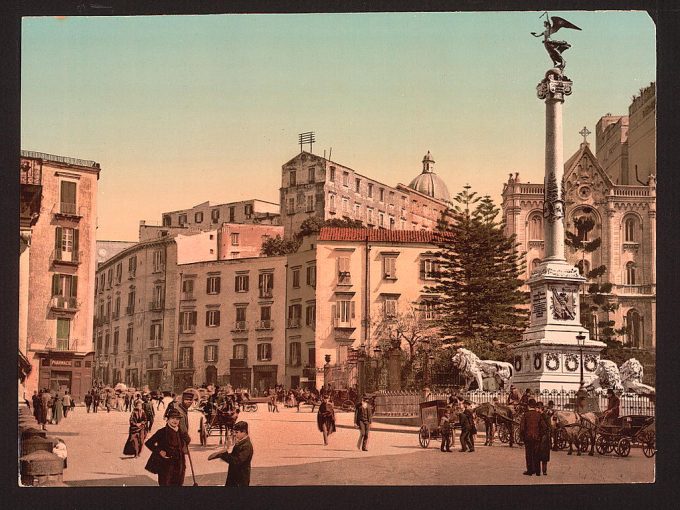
{"points": [[606, 376], [474, 369], [631, 377]]}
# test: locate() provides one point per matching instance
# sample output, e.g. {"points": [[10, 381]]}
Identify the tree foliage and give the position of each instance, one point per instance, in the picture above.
{"points": [[408, 328], [274, 246], [479, 286]]}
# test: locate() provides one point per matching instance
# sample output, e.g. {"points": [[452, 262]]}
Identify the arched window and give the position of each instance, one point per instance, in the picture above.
{"points": [[536, 227], [630, 227], [634, 328], [630, 273]]}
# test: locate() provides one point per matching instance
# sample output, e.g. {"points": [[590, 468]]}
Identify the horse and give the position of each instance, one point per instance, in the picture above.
{"points": [[492, 414], [475, 369], [573, 424]]}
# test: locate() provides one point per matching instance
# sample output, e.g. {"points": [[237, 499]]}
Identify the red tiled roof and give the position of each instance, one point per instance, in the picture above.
{"points": [[378, 235]]}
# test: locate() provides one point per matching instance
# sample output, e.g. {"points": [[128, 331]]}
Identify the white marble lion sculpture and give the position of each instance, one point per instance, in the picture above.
{"points": [[606, 376], [631, 378], [474, 369]]}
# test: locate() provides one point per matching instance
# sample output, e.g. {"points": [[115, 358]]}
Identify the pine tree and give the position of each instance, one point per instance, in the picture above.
{"points": [[479, 288]]}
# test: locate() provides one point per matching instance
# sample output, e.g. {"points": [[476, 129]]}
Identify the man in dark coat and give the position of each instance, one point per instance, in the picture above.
{"points": [[183, 409], [325, 419], [531, 429], [613, 405], [545, 441], [88, 401], [168, 445], [445, 427], [362, 418], [147, 406], [468, 429], [95, 401], [239, 459]]}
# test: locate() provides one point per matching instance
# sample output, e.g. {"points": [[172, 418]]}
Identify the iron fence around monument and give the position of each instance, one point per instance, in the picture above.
{"points": [[406, 403]]}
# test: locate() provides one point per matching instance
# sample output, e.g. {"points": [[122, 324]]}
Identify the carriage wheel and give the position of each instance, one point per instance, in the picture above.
{"points": [[424, 436], [562, 442], [503, 433], [347, 405], [649, 448], [583, 442], [251, 408], [601, 444], [518, 437], [623, 447], [202, 433]]}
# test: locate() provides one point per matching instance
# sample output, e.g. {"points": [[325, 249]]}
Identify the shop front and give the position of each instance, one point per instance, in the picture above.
{"points": [[264, 377], [62, 371]]}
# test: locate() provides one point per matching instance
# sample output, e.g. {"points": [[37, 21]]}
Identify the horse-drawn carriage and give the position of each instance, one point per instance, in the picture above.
{"points": [[624, 432], [342, 400], [431, 413]]}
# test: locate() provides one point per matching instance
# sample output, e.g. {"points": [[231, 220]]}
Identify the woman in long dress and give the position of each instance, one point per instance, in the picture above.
{"points": [[325, 420], [137, 431], [57, 410]]}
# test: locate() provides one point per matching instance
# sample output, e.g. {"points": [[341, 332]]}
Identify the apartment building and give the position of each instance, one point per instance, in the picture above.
{"points": [[59, 195], [207, 216]]}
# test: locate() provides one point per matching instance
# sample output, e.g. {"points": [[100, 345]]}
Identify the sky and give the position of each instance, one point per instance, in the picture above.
{"points": [[179, 110]]}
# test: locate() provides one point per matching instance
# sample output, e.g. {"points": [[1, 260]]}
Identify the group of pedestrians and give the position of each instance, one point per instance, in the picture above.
{"points": [[535, 429], [51, 406], [466, 420]]}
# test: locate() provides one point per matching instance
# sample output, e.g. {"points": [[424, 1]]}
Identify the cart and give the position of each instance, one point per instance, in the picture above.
{"points": [[431, 413], [627, 431]]}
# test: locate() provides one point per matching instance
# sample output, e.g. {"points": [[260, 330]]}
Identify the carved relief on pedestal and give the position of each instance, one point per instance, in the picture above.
{"points": [[518, 363], [552, 361], [590, 362], [571, 362], [538, 360], [563, 302]]}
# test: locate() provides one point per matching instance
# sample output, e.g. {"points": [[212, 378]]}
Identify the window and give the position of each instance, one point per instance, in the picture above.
{"points": [[266, 313], [119, 272], [630, 273], [536, 227], [68, 197], [132, 266], [369, 219], [116, 308], [129, 338], [309, 203], [107, 343], [212, 318], [344, 276], [198, 217], [232, 213], [264, 352], [241, 313], [331, 202], [390, 307], [357, 185], [241, 283], [167, 220], [357, 211], [157, 297], [310, 175], [188, 321], [187, 289], [311, 356], [345, 179], [311, 276], [294, 315], [382, 194], [634, 328], [345, 205], [429, 310], [310, 316], [66, 244], [392, 223], [629, 230], [99, 342], [182, 220], [343, 312], [215, 215], [333, 173], [381, 219], [130, 308], [248, 210], [295, 354], [296, 278], [109, 278], [158, 260], [116, 335], [186, 357], [291, 205], [65, 285], [234, 238], [240, 351], [390, 268], [154, 361], [292, 181], [210, 354], [108, 308], [370, 190], [429, 269], [213, 285], [63, 334], [266, 284], [156, 334]]}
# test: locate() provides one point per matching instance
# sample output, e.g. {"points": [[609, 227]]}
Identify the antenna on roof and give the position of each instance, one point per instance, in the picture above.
{"points": [[307, 137]]}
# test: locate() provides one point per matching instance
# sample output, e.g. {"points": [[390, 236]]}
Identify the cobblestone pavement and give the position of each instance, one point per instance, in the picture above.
{"points": [[289, 451]]}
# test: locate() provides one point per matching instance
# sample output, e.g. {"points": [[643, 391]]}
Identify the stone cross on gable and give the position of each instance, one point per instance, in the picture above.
{"points": [[584, 133]]}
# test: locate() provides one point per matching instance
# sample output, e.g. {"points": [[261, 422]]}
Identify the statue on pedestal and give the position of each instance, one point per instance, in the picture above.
{"points": [[555, 48]]}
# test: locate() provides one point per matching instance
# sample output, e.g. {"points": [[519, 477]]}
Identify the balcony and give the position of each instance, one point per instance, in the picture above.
{"points": [[264, 324], [64, 304], [266, 293], [129, 310], [185, 365], [344, 278], [240, 326], [63, 344], [187, 296], [68, 210], [188, 330], [156, 306], [345, 324], [640, 290], [158, 268], [132, 274], [66, 258], [294, 322], [238, 363], [115, 315]]}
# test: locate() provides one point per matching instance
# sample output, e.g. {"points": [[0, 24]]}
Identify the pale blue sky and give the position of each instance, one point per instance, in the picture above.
{"points": [[183, 109]]}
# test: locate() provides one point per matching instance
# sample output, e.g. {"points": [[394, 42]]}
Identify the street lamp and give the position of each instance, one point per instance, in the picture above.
{"points": [[581, 339]]}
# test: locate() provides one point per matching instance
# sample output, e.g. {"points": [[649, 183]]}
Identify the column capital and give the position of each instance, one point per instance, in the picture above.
{"points": [[555, 86]]}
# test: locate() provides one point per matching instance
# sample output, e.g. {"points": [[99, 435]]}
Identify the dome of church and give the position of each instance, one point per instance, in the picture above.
{"points": [[429, 183]]}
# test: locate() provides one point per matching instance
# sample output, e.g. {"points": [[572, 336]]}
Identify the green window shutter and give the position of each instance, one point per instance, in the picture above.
{"points": [[236, 284], [207, 318], [352, 309], [247, 281], [74, 286], [75, 244], [56, 285], [217, 288], [57, 243], [194, 318]]}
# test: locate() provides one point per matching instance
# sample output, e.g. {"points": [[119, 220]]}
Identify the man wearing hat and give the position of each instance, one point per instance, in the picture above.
{"points": [[531, 428], [513, 397], [468, 429], [183, 409], [168, 446], [362, 418], [239, 459]]}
